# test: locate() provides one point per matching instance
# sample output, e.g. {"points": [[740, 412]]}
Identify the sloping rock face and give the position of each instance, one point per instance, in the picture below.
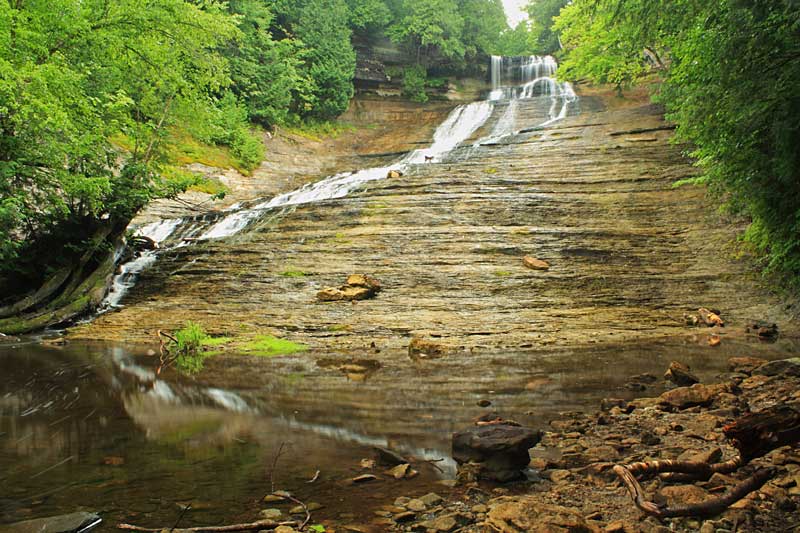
{"points": [[629, 253]]}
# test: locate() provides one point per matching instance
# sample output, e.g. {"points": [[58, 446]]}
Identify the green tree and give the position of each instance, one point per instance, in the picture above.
{"points": [[429, 26], [484, 22], [544, 38], [329, 61], [75, 74], [730, 72], [515, 42], [265, 71], [368, 17]]}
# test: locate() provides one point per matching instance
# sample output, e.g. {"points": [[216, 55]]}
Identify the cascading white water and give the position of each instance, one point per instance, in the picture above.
{"points": [[158, 232], [458, 127], [532, 77]]}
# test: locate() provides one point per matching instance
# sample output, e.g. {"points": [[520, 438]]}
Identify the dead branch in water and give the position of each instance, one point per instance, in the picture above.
{"points": [[253, 526]]}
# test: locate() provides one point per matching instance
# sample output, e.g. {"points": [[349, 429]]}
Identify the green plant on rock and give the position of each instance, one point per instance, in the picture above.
{"points": [[269, 346], [414, 83], [187, 348]]}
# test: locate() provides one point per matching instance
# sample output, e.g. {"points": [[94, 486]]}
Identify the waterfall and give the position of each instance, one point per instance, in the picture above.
{"points": [[514, 80], [525, 78]]}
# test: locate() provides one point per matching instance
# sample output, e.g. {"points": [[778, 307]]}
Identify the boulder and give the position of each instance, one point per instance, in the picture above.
{"points": [[535, 264], [745, 365], [362, 280], [500, 451], [525, 514], [67, 523], [680, 375], [332, 294], [356, 287], [710, 317], [785, 367], [685, 397], [394, 174]]}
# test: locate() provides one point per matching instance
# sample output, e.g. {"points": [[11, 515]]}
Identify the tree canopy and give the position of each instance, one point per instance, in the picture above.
{"points": [[729, 72], [98, 96]]}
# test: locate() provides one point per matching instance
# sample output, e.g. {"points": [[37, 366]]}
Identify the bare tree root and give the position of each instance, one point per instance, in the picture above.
{"points": [[708, 508]]}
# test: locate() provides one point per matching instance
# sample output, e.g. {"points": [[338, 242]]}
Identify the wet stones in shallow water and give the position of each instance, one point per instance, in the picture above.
{"points": [[680, 375], [745, 365], [785, 367], [388, 457], [685, 397], [499, 450]]}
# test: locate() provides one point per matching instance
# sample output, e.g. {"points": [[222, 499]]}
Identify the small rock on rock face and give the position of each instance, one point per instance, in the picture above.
{"points": [[394, 174], [500, 450], [356, 287], [535, 264], [680, 374], [421, 348]]}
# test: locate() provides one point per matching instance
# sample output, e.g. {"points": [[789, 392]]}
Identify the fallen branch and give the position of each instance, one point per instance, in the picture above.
{"points": [[708, 508], [684, 470], [305, 508], [252, 526]]}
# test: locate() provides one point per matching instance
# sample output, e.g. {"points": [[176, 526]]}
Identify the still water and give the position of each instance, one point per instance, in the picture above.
{"points": [[91, 427]]}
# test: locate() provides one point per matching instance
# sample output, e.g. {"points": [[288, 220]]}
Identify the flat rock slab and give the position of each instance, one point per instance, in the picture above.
{"points": [[67, 523], [500, 449]]}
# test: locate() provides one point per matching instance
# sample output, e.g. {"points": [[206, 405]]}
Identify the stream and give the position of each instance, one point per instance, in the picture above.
{"points": [[92, 427]]}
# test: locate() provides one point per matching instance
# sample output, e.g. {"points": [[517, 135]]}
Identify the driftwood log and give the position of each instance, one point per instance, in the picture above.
{"points": [[753, 435], [757, 434]]}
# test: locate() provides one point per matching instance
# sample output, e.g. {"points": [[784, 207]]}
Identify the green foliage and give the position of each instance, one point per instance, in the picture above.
{"points": [[74, 74], [265, 70], [329, 60], [731, 73], [426, 26], [543, 37], [269, 346], [515, 42], [414, 83], [367, 17], [187, 348]]}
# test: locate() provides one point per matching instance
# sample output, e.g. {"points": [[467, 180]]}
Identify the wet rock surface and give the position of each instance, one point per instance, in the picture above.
{"points": [[578, 492], [629, 255]]}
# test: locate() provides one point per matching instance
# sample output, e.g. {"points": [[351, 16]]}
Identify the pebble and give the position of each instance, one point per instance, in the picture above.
{"points": [[431, 499], [416, 505], [271, 514]]}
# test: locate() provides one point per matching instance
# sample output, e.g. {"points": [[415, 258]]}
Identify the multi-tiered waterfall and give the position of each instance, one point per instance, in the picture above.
{"points": [[515, 81], [525, 78]]}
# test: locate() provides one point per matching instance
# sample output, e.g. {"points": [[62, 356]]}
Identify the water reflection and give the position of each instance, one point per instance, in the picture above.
{"points": [[88, 427]]}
